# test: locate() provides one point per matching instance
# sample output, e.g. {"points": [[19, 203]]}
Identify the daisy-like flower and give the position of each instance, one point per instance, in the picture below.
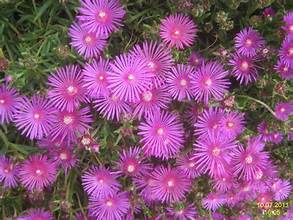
{"points": [[100, 182], [86, 43], [37, 172], [213, 201], [212, 153], [224, 182], [36, 214], [232, 124], [281, 189], [95, 76], [264, 132], [101, 16], [151, 101], [277, 137], [9, 100], [178, 31], [64, 157], [158, 58], [131, 163], [284, 70], [111, 207], [129, 77], [286, 51], [169, 184], [248, 42], [244, 69], [69, 124], [8, 172], [288, 20], [162, 135], [209, 121], [111, 106], [66, 91], [283, 110], [34, 117], [195, 59], [187, 165], [246, 162], [184, 213], [142, 183], [178, 82], [209, 81]]}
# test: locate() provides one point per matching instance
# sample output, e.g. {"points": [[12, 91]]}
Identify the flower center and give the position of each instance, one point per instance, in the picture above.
{"points": [[291, 28], [191, 164], [2, 101], [88, 39], [183, 82], [170, 183], [208, 82], [248, 42], [160, 131], [216, 151], [259, 175], [67, 119], [147, 96], [244, 65], [37, 116], [282, 109], [180, 212], [285, 69], [114, 98], [152, 65], [101, 78], [101, 181], [109, 203], [39, 172], [248, 159], [230, 124], [130, 77], [130, 168], [72, 90], [102, 14], [63, 156], [290, 51]]}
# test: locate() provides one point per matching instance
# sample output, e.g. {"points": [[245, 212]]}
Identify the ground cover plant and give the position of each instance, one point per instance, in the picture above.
{"points": [[137, 109]]}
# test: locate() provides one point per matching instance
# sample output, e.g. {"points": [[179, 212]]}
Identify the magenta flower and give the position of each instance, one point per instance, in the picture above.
{"points": [[212, 153], [162, 135], [66, 91], [111, 106], [178, 31], [185, 213], [277, 137], [192, 112], [288, 20], [100, 182], [283, 110], [281, 189], [209, 81], [131, 163], [284, 71], [8, 172], [9, 100], [224, 182], [34, 117], [178, 82], [195, 59], [247, 162], [87, 43], [129, 77], [158, 58], [264, 132], [64, 157], [269, 12], [232, 124], [213, 201], [37, 172], [248, 42], [36, 214], [169, 184], [95, 77], [151, 101], [187, 165], [101, 16], [112, 207], [244, 69], [286, 51], [209, 121], [69, 124]]}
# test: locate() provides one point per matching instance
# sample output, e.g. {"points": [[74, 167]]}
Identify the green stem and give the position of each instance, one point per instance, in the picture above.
{"points": [[259, 102], [9, 144]]}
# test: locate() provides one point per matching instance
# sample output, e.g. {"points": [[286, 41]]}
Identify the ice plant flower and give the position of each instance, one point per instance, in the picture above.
{"points": [[277, 137], [162, 135], [36, 214], [64, 157], [95, 77], [195, 59], [178, 82], [101, 16], [111, 207], [9, 100], [213, 201], [286, 51], [269, 13], [8, 172], [34, 117], [178, 31], [111, 106], [37, 172], [169, 184], [244, 68], [288, 20], [264, 132], [69, 124], [66, 91], [248, 42], [87, 43], [158, 58], [232, 124], [187, 212], [187, 165], [281, 189], [129, 77], [284, 70], [283, 110], [100, 182], [209, 82]]}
